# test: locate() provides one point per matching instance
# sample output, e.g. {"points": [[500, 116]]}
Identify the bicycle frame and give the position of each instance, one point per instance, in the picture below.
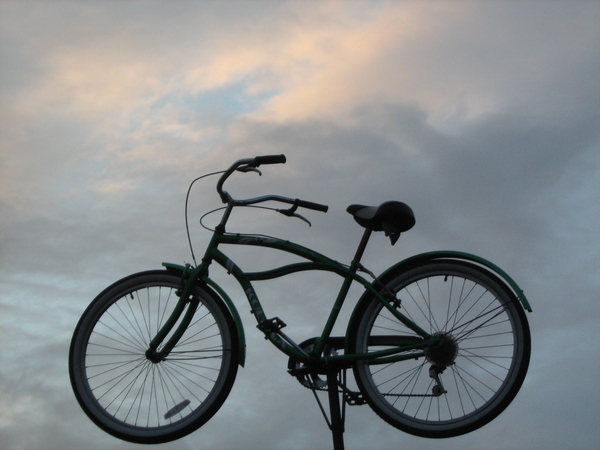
{"points": [[398, 346], [272, 327]]}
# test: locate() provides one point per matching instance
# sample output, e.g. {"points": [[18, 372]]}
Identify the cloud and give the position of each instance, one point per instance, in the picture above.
{"points": [[458, 61], [480, 115]]}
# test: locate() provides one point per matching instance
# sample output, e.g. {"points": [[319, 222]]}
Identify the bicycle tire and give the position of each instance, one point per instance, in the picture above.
{"points": [[484, 356], [138, 400]]}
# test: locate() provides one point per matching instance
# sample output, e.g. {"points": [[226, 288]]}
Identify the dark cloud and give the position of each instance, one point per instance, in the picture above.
{"points": [[481, 116]]}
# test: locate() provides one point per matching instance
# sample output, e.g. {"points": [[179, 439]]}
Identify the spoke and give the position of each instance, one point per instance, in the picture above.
{"points": [[174, 377], [166, 390], [466, 333], [120, 377], [469, 388], [138, 398], [474, 360], [137, 341], [405, 377], [191, 340], [135, 325], [178, 369], [128, 387], [464, 296], [160, 318], [127, 343], [489, 335], [466, 388], [112, 367]]}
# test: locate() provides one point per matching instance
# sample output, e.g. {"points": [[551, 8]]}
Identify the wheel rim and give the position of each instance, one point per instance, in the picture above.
{"points": [[480, 347], [128, 387]]}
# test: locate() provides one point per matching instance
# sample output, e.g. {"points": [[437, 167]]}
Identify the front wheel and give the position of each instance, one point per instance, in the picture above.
{"points": [[142, 399], [471, 374]]}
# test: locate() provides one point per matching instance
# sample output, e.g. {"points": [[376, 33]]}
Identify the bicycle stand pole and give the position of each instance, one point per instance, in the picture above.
{"points": [[337, 420]]}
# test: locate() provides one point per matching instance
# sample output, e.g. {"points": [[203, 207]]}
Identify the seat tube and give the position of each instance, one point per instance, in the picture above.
{"points": [[362, 246], [333, 315], [320, 343]]}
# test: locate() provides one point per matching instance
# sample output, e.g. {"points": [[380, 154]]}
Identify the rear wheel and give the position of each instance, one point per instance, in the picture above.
{"points": [[137, 396], [472, 373]]}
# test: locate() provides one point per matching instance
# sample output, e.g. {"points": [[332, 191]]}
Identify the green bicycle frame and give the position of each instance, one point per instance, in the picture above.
{"points": [[271, 327], [180, 319]]}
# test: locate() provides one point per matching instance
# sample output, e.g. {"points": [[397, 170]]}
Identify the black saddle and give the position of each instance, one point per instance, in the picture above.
{"points": [[392, 218]]}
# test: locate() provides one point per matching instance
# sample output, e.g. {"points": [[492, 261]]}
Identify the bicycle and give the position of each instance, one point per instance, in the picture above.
{"points": [[438, 344]]}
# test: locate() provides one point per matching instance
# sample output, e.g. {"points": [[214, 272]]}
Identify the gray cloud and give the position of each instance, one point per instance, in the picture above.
{"points": [[482, 116]]}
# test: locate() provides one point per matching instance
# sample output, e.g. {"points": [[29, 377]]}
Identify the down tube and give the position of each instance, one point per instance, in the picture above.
{"points": [[319, 263], [257, 310]]}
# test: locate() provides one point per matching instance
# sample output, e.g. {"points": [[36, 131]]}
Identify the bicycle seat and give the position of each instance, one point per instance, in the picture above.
{"points": [[391, 217]]}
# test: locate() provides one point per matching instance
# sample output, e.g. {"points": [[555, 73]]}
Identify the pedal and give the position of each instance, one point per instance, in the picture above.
{"points": [[354, 398], [271, 325]]}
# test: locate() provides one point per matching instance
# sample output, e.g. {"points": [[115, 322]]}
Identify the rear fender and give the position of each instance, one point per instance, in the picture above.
{"points": [[424, 258], [460, 256], [218, 292]]}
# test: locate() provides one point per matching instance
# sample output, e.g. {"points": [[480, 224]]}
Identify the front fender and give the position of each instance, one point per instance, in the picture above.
{"points": [[448, 254], [230, 306]]}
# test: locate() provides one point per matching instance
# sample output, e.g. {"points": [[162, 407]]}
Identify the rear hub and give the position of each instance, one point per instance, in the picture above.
{"points": [[444, 352]]}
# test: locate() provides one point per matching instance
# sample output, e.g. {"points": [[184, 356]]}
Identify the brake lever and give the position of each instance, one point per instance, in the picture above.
{"points": [[302, 218], [246, 169], [292, 213]]}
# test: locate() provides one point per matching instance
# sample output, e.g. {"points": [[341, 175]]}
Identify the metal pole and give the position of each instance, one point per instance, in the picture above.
{"points": [[337, 421]]}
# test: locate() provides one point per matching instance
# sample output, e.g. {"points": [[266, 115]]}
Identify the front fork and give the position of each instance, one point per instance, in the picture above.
{"points": [[185, 297]]}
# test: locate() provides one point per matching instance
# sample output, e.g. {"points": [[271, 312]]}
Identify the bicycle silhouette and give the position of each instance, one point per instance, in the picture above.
{"points": [[439, 344]]}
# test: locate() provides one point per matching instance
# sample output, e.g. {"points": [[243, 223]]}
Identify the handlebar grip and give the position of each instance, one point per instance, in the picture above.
{"points": [[269, 159], [311, 205]]}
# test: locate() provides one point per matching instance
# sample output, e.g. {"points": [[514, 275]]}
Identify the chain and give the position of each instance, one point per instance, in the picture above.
{"points": [[356, 394], [410, 395]]}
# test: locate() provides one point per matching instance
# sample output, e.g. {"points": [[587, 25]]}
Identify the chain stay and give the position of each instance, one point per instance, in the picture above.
{"points": [[356, 398]]}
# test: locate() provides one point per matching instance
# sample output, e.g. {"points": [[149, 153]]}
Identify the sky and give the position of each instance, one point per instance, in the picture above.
{"points": [[481, 115]]}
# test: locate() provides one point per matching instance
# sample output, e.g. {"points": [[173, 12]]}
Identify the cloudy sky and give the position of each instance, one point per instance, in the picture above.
{"points": [[482, 115]]}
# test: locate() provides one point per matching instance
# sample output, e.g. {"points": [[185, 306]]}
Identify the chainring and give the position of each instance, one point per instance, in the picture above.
{"points": [[307, 376]]}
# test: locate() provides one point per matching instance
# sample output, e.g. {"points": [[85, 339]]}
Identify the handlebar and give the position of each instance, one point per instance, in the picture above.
{"points": [[311, 205], [269, 159], [251, 164]]}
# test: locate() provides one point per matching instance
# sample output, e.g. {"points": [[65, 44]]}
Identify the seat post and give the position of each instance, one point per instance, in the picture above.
{"points": [[363, 245]]}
